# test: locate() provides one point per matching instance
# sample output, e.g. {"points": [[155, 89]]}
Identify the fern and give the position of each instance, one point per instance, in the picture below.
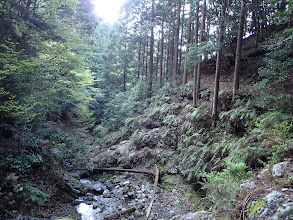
{"points": [[172, 121], [197, 114], [239, 117]]}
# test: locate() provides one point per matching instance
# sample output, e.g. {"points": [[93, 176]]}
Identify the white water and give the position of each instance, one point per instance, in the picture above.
{"points": [[87, 212]]}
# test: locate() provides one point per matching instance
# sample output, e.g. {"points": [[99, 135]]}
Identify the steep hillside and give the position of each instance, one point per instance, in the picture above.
{"points": [[234, 164]]}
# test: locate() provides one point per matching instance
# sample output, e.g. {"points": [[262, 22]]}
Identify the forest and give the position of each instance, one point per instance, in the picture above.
{"points": [[198, 90]]}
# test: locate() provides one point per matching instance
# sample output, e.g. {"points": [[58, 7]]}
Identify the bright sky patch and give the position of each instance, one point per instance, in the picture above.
{"points": [[108, 9]]}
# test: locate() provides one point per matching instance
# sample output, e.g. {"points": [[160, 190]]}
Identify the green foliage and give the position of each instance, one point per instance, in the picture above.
{"points": [[239, 117], [271, 119], [15, 191], [123, 106], [172, 121], [282, 10], [276, 75], [68, 148], [282, 151], [193, 197], [222, 187], [225, 99], [19, 163], [198, 113], [255, 206], [274, 129], [273, 125], [33, 195], [284, 130]]}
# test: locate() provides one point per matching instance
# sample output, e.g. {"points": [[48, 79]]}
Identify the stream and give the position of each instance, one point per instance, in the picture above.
{"points": [[109, 194]]}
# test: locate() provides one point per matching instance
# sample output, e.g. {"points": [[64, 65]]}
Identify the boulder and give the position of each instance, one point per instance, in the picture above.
{"points": [[280, 169], [249, 184], [276, 205]]}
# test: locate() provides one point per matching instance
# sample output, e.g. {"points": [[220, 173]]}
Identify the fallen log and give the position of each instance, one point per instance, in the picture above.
{"points": [[116, 215], [153, 194], [124, 170]]}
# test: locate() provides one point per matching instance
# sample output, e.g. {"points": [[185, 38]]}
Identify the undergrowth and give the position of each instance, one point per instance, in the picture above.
{"points": [[16, 191], [221, 155]]}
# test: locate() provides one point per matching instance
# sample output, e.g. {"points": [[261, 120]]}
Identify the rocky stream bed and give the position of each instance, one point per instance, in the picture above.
{"points": [[109, 194]]}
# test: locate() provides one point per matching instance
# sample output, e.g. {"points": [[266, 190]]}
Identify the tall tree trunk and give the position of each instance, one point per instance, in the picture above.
{"points": [[202, 29], [162, 53], [124, 70], [186, 55], [143, 58], [239, 47], [181, 38], [151, 53], [168, 54], [196, 42], [157, 60], [146, 61], [124, 79], [139, 60], [218, 63], [175, 55]]}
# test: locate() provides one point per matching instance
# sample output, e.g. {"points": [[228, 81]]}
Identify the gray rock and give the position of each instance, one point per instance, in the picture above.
{"points": [[249, 184], [130, 194], [99, 190], [196, 215], [263, 172], [277, 205], [126, 183], [280, 169], [124, 147], [284, 211]]}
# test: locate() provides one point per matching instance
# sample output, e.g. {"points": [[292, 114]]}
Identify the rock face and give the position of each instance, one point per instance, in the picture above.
{"points": [[276, 205]]}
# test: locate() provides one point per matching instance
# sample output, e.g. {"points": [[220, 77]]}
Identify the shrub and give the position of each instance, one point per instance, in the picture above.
{"points": [[15, 191]]}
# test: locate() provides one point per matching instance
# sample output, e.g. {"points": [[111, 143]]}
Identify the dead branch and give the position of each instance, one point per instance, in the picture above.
{"points": [[153, 194], [118, 214], [124, 170]]}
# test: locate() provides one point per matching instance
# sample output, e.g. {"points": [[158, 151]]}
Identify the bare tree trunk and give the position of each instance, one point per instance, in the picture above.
{"points": [[239, 47], [195, 66], [124, 70], [146, 61], [151, 54], [175, 55], [181, 38], [139, 60], [186, 55], [162, 53], [218, 63], [143, 58], [197, 89], [124, 79], [168, 54], [157, 60]]}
